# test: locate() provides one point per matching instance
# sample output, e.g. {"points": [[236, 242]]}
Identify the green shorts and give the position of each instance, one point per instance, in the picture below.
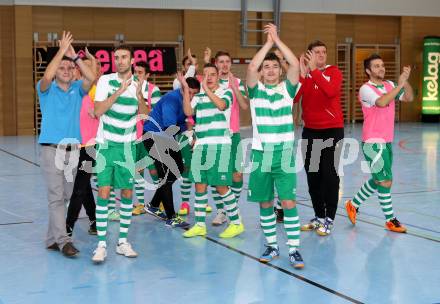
{"points": [[115, 165], [380, 160], [186, 151], [211, 165], [269, 169], [236, 153]]}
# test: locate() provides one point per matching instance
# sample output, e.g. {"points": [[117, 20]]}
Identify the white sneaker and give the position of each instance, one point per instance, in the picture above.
{"points": [[219, 219], [325, 228], [126, 250], [99, 254]]}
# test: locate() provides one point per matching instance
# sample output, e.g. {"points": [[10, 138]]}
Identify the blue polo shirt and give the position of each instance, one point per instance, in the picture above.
{"points": [[168, 111], [60, 113]]}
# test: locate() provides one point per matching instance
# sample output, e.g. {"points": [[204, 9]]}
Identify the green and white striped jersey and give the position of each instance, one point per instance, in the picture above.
{"points": [[271, 111], [212, 125], [155, 95], [118, 124], [224, 83]]}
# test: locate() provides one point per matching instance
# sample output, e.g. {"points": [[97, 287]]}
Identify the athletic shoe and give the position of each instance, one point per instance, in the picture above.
{"points": [[208, 209], [312, 225], [280, 214], [232, 231], [296, 260], [325, 228], [92, 228], [114, 216], [184, 208], [176, 222], [219, 219], [139, 209], [126, 250], [195, 230], [351, 211], [269, 254], [99, 254], [155, 212], [395, 226]]}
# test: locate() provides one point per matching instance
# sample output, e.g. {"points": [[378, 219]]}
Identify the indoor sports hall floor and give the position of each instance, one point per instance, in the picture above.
{"points": [[361, 264]]}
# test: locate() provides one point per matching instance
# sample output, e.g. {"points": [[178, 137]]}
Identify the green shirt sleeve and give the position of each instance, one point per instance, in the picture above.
{"points": [[291, 89], [227, 97]]}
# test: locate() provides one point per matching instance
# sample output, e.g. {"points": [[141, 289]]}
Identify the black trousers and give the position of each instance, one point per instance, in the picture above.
{"points": [[169, 166], [321, 166], [82, 194]]}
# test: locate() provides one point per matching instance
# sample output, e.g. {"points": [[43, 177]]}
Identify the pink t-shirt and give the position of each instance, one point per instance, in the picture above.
{"points": [[88, 125], [378, 124]]}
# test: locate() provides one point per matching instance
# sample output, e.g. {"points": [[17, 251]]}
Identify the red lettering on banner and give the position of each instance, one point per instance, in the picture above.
{"points": [[102, 55], [113, 62], [139, 55], [154, 58], [156, 61]]}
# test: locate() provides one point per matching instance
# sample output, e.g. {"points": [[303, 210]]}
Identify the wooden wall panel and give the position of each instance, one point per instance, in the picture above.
{"points": [[104, 23], [46, 19], [24, 86], [367, 29], [7, 93]]}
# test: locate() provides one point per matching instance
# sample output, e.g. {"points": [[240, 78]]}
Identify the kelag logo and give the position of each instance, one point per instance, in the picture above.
{"points": [[162, 60]]}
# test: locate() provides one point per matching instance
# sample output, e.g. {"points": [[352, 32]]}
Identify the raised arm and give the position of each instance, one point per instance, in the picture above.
{"points": [[408, 96], [219, 102], [330, 86], [207, 55], [253, 75], [51, 69], [103, 106], [293, 69], [241, 99], [187, 109], [88, 74], [386, 99]]}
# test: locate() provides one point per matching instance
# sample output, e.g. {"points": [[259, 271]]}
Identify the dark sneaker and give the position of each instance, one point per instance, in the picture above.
{"points": [[325, 228], [270, 254], [296, 260], [176, 222], [156, 212]]}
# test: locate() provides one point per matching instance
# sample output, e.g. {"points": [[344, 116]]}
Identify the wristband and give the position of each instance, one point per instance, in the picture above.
{"points": [[76, 59]]}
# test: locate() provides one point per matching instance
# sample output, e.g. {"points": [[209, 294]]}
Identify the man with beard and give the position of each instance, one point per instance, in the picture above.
{"points": [[378, 97]]}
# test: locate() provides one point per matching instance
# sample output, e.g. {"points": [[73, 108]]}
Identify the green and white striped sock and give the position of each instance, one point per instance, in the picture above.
{"points": [[125, 221], [101, 219], [185, 189], [217, 200], [200, 208], [231, 207], [385, 202], [367, 189], [291, 226], [140, 190], [268, 223], [236, 189], [112, 201]]}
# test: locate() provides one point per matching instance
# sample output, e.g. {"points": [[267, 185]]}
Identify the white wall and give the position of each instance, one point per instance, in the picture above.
{"points": [[356, 7]]}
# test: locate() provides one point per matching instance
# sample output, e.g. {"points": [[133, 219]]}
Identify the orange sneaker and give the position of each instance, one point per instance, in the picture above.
{"points": [[395, 226], [351, 211]]}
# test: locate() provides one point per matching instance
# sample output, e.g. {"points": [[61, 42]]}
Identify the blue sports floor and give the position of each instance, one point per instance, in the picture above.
{"points": [[361, 264]]}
